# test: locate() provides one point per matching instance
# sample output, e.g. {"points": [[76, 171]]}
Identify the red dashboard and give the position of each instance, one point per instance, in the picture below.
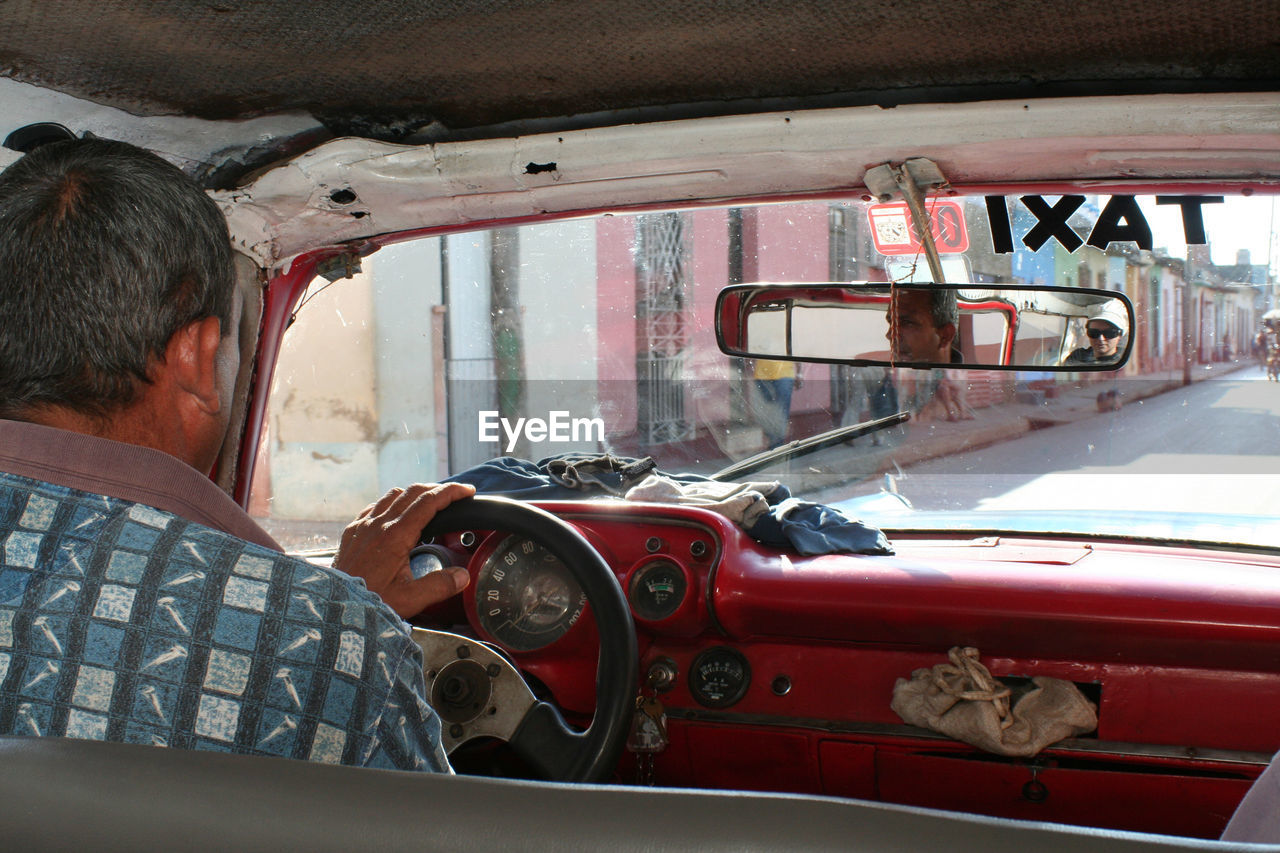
{"points": [[777, 669]]}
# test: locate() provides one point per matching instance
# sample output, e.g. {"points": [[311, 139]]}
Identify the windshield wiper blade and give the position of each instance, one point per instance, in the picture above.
{"points": [[805, 446]]}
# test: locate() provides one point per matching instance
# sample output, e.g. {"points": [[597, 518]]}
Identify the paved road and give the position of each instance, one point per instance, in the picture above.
{"points": [[1213, 446]]}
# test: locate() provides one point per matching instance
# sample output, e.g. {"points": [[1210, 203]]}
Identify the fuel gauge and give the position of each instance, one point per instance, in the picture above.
{"points": [[657, 590]]}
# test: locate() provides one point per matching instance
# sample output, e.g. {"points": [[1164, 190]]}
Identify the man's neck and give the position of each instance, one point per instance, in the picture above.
{"points": [[68, 419], [135, 424]]}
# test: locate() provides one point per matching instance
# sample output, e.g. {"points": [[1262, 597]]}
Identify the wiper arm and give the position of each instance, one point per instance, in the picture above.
{"points": [[805, 446]]}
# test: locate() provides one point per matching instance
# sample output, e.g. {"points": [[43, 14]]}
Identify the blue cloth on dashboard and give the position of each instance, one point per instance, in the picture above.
{"points": [[807, 527], [813, 528], [563, 477]]}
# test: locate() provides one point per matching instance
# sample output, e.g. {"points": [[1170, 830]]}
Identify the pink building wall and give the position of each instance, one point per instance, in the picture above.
{"points": [[707, 397], [782, 240], [616, 321], [778, 245]]}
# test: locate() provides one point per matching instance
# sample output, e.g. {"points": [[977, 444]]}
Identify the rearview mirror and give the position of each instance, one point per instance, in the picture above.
{"points": [[1005, 327]]}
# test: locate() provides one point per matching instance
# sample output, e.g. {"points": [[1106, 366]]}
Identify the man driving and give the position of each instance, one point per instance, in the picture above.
{"points": [[922, 327], [138, 603]]}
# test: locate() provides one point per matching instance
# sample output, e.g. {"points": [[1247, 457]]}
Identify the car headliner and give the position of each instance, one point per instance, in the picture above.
{"points": [[413, 71]]}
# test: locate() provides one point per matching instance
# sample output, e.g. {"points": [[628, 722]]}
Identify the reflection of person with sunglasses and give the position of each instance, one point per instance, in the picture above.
{"points": [[1107, 325]]}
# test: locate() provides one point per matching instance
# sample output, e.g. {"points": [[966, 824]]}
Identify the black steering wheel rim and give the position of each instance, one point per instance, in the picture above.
{"points": [[543, 737]]}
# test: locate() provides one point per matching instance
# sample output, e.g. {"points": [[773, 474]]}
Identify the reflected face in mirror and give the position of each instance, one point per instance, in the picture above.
{"points": [[1104, 338], [921, 325], [978, 326]]}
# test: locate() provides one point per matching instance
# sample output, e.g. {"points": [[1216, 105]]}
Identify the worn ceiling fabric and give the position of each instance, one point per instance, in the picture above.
{"points": [[395, 65]]}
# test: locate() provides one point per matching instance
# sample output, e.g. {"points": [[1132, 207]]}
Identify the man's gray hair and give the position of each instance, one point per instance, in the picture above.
{"points": [[106, 251], [943, 307]]}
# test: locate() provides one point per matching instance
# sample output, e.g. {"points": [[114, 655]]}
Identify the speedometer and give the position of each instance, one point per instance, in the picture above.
{"points": [[525, 597]]}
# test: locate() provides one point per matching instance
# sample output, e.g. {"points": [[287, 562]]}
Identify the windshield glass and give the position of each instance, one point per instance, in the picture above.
{"points": [[597, 335]]}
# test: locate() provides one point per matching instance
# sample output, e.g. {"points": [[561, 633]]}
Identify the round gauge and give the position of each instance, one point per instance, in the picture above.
{"points": [[525, 597], [657, 590], [719, 677]]}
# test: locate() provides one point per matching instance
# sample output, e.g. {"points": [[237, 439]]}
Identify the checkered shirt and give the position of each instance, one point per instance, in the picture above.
{"points": [[126, 623]]}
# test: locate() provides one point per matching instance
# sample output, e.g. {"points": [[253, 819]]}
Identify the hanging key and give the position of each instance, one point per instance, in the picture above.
{"points": [[648, 727], [648, 736], [653, 709]]}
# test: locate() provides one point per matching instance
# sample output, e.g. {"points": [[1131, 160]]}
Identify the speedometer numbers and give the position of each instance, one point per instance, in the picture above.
{"points": [[525, 597]]}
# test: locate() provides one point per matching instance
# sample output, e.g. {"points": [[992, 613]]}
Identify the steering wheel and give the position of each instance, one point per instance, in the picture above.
{"points": [[478, 692]]}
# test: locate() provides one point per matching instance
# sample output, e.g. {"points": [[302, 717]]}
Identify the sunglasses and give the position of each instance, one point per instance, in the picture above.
{"points": [[1104, 333]]}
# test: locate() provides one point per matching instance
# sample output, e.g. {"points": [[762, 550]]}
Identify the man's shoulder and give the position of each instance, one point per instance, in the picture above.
{"points": [[98, 466], [179, 551]]}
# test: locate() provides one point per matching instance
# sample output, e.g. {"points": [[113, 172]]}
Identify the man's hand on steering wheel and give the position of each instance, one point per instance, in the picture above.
{"points": [[375, 547]]}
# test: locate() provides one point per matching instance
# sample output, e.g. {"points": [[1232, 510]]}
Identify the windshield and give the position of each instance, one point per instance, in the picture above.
{"points": [[597, 336]]}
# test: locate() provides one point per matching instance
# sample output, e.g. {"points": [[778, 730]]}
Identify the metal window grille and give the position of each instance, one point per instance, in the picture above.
{"points": [[845, 239], [661, 260]]}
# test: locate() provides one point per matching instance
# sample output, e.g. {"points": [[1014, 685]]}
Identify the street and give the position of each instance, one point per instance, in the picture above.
{"points": [[1211, 447]]}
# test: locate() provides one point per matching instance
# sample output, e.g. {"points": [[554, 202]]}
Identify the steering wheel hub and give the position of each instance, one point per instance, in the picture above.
{"points": [[461, 691]]}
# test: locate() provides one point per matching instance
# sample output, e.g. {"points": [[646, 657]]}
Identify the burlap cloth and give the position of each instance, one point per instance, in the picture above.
{"points": [[962, 700]]}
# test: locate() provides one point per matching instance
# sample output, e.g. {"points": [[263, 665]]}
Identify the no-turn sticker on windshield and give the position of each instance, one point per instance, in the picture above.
{"points": [[895, 234]]}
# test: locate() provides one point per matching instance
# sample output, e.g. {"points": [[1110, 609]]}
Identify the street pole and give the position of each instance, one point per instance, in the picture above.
{"points": [[1187, 304]]}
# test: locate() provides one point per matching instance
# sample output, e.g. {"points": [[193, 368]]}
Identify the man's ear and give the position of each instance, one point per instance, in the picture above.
{"points": [[191, 360], [947, 334]]}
